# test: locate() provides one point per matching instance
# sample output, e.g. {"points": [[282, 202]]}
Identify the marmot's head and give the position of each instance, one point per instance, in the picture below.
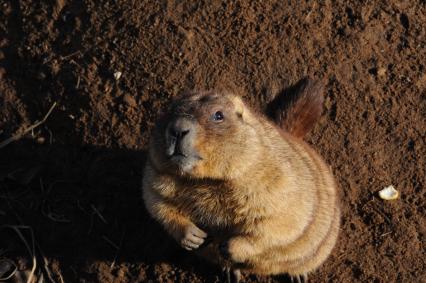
{"points": [[205, 135]]}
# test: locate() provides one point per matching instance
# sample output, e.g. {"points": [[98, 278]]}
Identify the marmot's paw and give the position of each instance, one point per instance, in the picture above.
{"points": [[237, 249], [192, 238]]}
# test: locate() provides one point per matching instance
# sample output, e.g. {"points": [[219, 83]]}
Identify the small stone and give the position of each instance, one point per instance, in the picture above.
{"points": [[117, 75]]}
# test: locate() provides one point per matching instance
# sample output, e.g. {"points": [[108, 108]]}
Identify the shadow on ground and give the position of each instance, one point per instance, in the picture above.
{"points": [[85, 209]]}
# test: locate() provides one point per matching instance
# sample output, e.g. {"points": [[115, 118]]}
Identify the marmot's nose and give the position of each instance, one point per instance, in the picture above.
{"points": [[180, 128], [178, 132]]}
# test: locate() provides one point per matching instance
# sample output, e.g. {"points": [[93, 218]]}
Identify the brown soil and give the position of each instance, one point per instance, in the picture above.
{"points": [[75, 179]]}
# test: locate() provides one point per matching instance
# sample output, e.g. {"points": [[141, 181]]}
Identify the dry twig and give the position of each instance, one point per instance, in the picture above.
{"points": [[118, 250], [31, 251], [114, 245], [18, 136], [96, 211], [46, 265], [12, 273]]}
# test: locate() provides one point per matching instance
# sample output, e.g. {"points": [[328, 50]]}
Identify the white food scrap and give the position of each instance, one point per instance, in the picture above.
{"points": [[389, 193]]}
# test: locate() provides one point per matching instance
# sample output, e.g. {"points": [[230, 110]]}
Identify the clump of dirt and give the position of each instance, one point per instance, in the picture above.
{"points": [[75, 179]]}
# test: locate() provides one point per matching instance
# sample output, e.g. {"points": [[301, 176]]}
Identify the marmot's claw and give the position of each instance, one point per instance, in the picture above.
{"points": [[303, 278], [231, 275], [227, 273]]}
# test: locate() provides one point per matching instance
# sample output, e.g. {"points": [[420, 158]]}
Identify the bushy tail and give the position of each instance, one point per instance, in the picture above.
{"points": [[297, 109]]}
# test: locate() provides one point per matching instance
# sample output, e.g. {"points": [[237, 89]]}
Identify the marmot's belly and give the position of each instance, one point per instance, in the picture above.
{"points": [[208, 209]]}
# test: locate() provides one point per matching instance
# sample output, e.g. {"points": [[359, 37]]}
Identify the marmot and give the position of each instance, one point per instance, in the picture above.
{"points": [[217, 168]]}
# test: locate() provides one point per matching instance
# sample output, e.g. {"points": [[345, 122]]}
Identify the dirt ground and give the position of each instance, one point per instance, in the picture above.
{"points": [[75, 180]]}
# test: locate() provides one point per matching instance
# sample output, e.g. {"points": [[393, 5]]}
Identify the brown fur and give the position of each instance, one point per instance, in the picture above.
{"points": [[269, 195], [297, 110]]}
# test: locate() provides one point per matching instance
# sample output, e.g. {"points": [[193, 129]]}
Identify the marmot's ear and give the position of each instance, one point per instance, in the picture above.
{"points": [[297, 109], [238, 105]]}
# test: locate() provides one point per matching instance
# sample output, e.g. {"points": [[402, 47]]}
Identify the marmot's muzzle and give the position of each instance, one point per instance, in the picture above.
{"points": [[180, 135]]}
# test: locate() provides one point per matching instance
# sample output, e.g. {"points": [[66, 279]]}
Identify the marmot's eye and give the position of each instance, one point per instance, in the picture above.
{"points": [[218, 116]]}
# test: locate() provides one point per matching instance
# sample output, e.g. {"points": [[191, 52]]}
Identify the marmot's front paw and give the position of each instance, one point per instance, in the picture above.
{"points": [[192, 237]]}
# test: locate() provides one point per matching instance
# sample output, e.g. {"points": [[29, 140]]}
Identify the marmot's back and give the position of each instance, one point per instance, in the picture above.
{"points": [[309, 250]]}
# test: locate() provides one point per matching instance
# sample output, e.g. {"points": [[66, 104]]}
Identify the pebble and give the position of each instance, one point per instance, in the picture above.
{"points": [[117, 75]]}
